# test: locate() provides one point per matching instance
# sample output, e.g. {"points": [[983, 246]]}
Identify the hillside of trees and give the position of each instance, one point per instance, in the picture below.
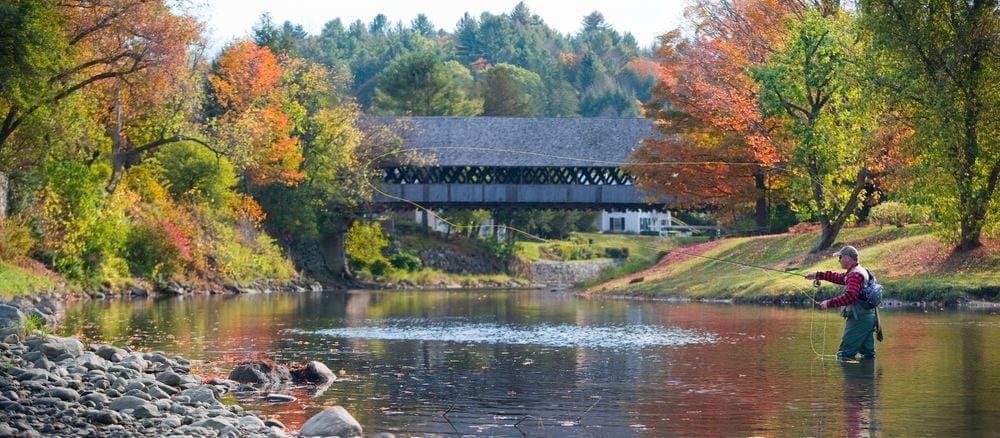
{"points": [[128, 155]]}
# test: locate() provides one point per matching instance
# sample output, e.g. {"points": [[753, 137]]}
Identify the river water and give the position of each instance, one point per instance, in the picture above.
{"points": [[538, 363]]}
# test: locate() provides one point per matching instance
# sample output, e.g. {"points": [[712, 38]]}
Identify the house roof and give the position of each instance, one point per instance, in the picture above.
{"points": [[527, 142]]}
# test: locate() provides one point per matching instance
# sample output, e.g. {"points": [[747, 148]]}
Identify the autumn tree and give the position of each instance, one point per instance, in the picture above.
{"points": [[125, 55], [942, 64], [249, 121], [716, 147]]}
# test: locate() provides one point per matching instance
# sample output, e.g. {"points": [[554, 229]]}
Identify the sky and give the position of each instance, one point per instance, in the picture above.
{"points": [[644, 19]]}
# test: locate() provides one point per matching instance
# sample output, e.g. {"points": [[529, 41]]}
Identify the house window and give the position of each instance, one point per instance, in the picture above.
{"points": [[616, 224], [645, 223]]}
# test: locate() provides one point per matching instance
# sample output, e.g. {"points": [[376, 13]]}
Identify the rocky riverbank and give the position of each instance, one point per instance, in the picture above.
{"points": [[57, 386]]}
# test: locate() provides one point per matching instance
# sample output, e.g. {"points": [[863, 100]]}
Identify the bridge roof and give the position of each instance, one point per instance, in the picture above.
{"points": [[527, 142]]}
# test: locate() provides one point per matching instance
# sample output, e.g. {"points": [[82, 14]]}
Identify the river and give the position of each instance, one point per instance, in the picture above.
{"points": [[539, 363]]}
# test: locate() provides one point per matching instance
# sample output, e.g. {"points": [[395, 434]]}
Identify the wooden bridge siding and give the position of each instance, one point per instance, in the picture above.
{"points": [[465, 194]]}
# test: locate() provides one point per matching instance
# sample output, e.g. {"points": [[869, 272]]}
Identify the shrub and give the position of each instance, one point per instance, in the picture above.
{"points": [[16, 238], [405, 261], [616, 253], [196, 174], [364, 243], [154, 252], [891, 213], [379, 267]]}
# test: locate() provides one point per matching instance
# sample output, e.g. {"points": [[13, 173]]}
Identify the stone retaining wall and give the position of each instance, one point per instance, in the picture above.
{"points": [[567, 273]]}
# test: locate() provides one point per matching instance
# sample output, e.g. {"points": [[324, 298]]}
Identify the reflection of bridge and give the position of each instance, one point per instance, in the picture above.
{"points": [[489, 162]]}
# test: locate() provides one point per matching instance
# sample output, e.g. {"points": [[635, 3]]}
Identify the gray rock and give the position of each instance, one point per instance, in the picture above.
{"points": [[111, 353], [280, 398], [335, 421], [65, 394], [56, 347], [169, 377], [250, 422], [92, 361], [220, 426], [103, 417], [11, 317], [148, 410], [127, 402], [97, 398], [314, 372], [260, 373], [202, 394]]}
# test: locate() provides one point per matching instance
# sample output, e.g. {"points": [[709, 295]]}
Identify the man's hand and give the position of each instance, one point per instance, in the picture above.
{"points": [[811, 275], [825, 304]]}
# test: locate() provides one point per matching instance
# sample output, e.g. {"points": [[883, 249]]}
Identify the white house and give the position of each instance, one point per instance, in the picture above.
{"points": [[635, 221]]}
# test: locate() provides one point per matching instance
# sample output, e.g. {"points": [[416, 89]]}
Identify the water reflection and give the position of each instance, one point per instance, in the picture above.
{"points": [[543, 364], [861, 402]]}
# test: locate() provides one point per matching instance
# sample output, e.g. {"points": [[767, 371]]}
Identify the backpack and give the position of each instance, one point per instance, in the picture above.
{"points": [[870, 295]]}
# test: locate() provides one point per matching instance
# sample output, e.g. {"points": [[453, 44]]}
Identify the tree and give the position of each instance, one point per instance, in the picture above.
{"points": [[707, 112], [249, 117], [421, 84], [811, 89], [944, 61], [127, 56], [508, 90]]}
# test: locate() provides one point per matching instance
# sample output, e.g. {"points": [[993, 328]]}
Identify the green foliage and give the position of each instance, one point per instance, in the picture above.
{"points": [[616, 253], [31, 324], [242, 260], [155, 253], [508, 90], [17, 281], [83, 231], [422, 84], [405, 261], [193, 173], [364, 243], [16, 238], [941, 64], [898, 214]]}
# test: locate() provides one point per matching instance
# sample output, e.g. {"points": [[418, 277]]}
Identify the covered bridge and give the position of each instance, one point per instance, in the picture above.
{"points": [[489, 162]]}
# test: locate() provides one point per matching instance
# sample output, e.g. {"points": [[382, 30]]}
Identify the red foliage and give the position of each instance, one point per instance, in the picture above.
{"points": [[177, 238], [705, 105]]}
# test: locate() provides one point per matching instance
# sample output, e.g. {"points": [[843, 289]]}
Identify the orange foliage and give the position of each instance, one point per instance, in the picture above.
{"points": [[248, 209], [246, 85], [245, 75], [705, 105]]}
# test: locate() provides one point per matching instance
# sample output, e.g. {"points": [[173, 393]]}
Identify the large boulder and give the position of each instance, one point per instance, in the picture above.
{"points": [[313, 372], [260, 372], [335, 421]]}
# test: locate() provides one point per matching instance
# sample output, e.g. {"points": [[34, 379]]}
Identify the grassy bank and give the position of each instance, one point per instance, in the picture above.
{"points": [[911, 263], [16, 281]]}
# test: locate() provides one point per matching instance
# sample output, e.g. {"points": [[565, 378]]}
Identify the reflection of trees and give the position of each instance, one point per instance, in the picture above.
{"points": [[761, 378]]}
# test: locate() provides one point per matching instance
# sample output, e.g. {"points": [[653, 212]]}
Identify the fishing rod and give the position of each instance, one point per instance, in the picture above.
{"points": [[748, 265]]}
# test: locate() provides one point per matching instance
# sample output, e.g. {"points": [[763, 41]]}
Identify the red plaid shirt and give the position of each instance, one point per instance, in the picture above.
{"points": [[853, 280]]}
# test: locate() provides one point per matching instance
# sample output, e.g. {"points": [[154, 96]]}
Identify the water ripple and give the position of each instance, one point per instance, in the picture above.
{"points": [[625, 336]]}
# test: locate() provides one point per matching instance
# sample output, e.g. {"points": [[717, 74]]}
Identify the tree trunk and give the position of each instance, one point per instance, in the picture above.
{"points": [[828, 234], [4, 188], [761, 208], [969, 233]]}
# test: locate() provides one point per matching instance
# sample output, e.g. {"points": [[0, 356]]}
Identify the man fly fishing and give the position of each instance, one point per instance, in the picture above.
{"points": [[861, 320]]}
